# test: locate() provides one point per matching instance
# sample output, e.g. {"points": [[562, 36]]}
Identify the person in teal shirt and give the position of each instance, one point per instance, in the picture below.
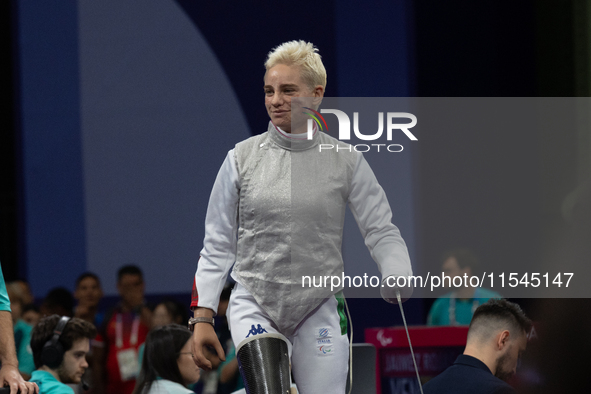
{"points": [[9, 374], [22, 340], [4, 300], [22, 331], [457, 307], [69, 341], [49, 384]]}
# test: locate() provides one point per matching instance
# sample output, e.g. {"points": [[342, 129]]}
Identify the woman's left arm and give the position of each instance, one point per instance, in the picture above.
{"points": [[370, 207]]}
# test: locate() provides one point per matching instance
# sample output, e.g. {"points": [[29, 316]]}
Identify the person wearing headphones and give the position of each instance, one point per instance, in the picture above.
{"points": [[60, 345]]}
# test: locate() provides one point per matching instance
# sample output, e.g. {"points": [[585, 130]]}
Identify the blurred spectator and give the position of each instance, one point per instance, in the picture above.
{"points": [[59, 301], [31, 315], [88, 293], [124, 329], [168, 363], [21, 289], [168, 312], [9, 363], [22, 331], [458, 306], [27, 295]]}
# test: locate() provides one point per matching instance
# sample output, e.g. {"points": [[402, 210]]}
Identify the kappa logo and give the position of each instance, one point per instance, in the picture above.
{"points": [[255, 331]]}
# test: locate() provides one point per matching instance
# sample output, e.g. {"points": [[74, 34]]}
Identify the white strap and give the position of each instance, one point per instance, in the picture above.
{"points": [[135, 328]]}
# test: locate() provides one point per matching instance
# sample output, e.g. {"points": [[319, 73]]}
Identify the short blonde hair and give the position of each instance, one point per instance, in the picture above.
{"points": [[302, 54]]}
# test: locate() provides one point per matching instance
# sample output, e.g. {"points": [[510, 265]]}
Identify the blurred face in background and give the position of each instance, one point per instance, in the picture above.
{"points": [[161, 316], [32, 317], [88, 292], [131, 290], [26, 294], [451, 268]]}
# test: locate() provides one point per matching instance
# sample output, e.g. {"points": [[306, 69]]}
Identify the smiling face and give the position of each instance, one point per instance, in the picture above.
{"points": [[74, 363], [282, 83], [189, 370]]}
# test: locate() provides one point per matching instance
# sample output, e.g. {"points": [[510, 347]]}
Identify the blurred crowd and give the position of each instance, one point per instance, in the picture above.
{"points": [[134, 336], [117, 351]]}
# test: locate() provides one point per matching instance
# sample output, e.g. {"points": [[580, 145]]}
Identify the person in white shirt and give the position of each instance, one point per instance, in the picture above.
{"points": [[276, 214]]}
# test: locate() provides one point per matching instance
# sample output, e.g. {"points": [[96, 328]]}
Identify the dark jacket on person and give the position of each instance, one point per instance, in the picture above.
{"points": [[468, 375]]}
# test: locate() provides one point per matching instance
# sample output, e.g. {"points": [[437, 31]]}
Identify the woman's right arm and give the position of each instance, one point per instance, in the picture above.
{"points": [[217, 256]]}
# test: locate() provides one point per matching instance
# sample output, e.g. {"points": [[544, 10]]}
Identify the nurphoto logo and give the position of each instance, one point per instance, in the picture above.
{"points": [[345, 129]]}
